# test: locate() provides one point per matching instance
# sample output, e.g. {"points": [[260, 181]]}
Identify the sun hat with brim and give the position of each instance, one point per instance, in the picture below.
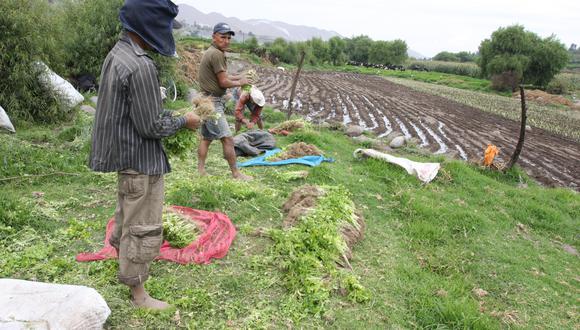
{"points": [[257, 96], [153, 21]]}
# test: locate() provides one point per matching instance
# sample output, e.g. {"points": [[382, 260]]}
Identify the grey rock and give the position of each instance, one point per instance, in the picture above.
{"points": [[94, 99], [354, 130], [397, 142], [88, 109], [392, 135]]}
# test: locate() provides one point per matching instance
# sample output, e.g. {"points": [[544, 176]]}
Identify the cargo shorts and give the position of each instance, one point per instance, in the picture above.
{"points": [[215, 129], [138, 233]]}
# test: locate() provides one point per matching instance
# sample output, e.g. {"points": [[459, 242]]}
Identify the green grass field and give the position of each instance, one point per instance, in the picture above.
{"points": [[474, 249]]}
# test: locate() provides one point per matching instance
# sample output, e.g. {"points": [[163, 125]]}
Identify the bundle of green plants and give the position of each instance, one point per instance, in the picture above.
{"points": [[180, 144], [309, 250], [178, 231]]}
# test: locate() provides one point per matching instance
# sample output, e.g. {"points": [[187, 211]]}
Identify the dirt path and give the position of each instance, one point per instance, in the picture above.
{"points": [[441, 125]]}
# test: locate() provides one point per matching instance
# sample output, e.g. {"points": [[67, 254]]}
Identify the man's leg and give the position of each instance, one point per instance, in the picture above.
{"points": [[230, 156], [140, 209], [202, 155], [260, 124]]}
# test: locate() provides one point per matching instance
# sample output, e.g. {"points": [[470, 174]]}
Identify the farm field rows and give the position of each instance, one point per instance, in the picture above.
{"points": [[440, 124]]}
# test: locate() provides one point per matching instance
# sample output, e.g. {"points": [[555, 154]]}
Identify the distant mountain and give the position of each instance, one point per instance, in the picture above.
{"points": [[199, 23], [259, 27], [416, 55]]}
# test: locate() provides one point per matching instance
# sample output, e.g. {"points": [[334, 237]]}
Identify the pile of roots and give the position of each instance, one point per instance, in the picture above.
{"points": [[296, 150]]}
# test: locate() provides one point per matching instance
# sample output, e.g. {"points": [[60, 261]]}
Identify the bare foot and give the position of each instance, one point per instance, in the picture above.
{"points": [[149, 303], [242, 177], [201, 172]]}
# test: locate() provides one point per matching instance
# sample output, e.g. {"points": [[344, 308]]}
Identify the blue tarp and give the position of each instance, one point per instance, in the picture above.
{"points": [[306, 160]]}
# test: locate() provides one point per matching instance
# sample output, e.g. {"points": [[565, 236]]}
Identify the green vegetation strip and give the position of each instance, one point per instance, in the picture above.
{"points": [[308, 252], [429, 253]]}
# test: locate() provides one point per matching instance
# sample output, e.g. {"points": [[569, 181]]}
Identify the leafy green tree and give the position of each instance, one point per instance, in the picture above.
{"points": [[388, 52], [320, 51], [523, 54], [89, 29], [251, 44], [398, 51], [466, 56], [25, 38], [446, 57], [358, 48], [336, 50]]}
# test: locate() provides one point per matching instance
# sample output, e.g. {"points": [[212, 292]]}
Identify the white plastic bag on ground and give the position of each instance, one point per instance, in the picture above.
{"points": [[69, 95], [423, 171], [36, 305], [5, 122]]}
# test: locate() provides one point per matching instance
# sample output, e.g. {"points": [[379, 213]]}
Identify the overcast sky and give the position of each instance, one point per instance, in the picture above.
{"points": [[428, 27]]}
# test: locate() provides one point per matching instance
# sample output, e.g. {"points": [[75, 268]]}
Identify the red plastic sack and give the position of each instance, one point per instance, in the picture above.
{"points": [[218, 232]]}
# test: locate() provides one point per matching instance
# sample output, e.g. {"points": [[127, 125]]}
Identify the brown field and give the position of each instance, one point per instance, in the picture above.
{"points": [[441, 125]]}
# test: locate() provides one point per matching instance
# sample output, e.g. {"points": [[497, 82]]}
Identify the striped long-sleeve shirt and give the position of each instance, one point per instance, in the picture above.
{"points": [[130, 121]]}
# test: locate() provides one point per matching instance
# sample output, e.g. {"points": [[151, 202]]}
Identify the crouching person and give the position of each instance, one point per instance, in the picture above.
{"points": [[129, 124]]}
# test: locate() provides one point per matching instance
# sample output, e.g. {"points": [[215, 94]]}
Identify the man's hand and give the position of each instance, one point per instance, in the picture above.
{"points": [[192, 120], [250, 125]]}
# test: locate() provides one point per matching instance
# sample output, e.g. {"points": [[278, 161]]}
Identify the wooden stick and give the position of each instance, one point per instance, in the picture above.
{"points": [[37, 176], [294, 83], [520, 144]]}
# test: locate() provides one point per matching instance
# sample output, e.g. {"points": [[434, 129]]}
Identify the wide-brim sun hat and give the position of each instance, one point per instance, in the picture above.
{"points": [[153, 21], [257, 96]]}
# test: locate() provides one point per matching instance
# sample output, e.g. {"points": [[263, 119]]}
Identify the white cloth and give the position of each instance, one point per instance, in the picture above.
{"points": [[423, 171], [36, 305]]}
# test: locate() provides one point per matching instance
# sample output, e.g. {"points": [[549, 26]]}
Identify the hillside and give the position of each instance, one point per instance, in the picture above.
{"points": [[472, 249]]}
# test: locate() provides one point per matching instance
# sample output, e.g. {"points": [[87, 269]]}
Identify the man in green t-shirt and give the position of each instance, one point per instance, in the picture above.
{"points": [[213, 81]]}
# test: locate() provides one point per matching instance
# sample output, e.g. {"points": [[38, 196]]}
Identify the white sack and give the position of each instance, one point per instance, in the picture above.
{"points": [[5, 122], [69, 95], [36, 305], [423, 171]]}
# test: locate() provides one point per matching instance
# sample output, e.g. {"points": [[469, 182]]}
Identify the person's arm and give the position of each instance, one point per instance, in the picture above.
{"points": [[228, 81], [256, 114], [146, 110], [239, 111]]}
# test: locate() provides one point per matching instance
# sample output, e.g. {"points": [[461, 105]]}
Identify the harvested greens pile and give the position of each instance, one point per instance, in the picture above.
{"points": [[178, 230], [320, 228]]}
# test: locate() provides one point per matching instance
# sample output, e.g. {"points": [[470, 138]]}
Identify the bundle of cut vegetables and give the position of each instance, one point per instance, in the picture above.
{"points": [[178, 231]]}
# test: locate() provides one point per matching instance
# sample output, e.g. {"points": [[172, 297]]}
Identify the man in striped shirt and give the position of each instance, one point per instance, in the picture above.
{"points": [[129, 125]]}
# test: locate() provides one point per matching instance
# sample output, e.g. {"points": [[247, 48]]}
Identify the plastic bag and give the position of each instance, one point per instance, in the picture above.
{"points": [[5, 122], [68, 94], [423, 171], [36, 305], [490, 154]]}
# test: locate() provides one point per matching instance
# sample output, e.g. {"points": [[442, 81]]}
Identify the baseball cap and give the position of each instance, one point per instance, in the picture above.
{"points": [[257, 96], [153, 21], [223, 28]]}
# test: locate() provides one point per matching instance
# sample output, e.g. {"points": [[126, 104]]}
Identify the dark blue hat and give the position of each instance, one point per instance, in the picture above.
{"points": [[152, 20], [223, 28]]}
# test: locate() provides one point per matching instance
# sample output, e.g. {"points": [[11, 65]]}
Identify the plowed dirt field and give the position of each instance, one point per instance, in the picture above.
{"points": [[441, 125]]}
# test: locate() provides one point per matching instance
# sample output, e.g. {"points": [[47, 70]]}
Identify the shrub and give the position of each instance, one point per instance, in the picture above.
{"points": [[24, 40], [88, 31]]}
